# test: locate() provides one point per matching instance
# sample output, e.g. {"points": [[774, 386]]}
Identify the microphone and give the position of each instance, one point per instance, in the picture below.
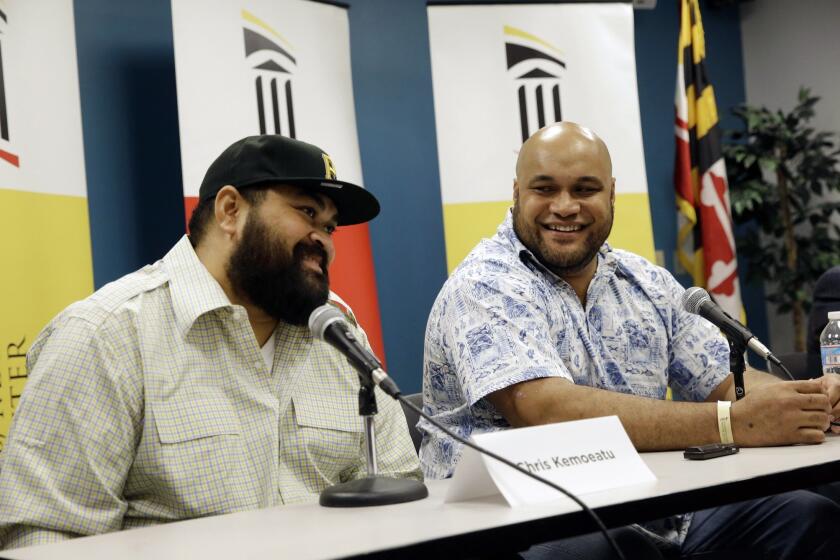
{"points": [[697, 301], [328, 324]]}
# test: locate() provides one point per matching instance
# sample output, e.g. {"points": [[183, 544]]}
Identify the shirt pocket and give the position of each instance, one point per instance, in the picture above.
{"points": [[199, 457], [330, 436], [186, 420]]}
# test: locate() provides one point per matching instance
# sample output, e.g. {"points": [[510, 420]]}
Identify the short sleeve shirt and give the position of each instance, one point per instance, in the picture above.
{"points": [[503, 318]]}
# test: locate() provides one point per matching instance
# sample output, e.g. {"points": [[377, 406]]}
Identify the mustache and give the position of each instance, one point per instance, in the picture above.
{"points": [[306, 250]]}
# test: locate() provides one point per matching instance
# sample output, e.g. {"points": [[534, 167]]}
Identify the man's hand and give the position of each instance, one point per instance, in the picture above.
{"points": [[831, 388], [783, 413]]}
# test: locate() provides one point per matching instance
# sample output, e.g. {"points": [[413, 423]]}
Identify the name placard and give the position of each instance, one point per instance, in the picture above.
{"points": [[582, 456]]}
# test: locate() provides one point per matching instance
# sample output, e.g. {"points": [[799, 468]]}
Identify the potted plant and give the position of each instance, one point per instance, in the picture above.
{"points": [[784, 182]]}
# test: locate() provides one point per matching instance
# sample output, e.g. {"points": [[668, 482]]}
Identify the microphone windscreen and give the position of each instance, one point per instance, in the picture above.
{"points": [[322, 317], [693, 298]]}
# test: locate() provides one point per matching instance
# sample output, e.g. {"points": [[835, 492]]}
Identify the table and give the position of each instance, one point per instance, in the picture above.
{"points": [[431, 528]]}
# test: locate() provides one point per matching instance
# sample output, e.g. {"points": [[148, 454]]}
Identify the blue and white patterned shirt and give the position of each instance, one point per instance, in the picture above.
{"points": [[502, 318]]}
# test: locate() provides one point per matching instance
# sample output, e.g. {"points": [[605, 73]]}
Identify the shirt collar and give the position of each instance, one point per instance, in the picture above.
{"points": [[194, 290]]}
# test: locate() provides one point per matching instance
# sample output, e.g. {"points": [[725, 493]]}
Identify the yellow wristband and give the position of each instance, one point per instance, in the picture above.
{"points": [[725, 422]]}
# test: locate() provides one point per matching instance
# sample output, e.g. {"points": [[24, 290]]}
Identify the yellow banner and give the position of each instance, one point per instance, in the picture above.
{"points": [[45, 243]]}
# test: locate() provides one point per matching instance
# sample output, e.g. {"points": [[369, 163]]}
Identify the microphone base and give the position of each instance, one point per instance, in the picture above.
{"points": [[373, 491]]}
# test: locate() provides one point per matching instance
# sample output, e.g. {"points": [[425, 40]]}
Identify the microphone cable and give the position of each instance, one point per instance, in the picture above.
{"points": [[785, 370], [601, 527]]}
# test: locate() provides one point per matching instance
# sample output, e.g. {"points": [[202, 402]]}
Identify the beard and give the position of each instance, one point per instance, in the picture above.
{"points": [[562, 261], [261, 270]]}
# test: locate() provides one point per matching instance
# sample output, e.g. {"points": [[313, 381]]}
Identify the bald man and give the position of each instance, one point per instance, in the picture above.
{"points": [[545, 322]]}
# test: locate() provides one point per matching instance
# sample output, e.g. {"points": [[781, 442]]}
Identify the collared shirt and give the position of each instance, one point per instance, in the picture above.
{"points": [[502, 318], [150, 401]]}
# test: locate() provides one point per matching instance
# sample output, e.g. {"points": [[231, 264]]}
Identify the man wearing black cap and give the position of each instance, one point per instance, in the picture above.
{"points": [[192, 387]]}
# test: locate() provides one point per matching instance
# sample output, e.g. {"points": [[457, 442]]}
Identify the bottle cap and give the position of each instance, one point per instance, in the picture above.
{"points": [[833, 315]]}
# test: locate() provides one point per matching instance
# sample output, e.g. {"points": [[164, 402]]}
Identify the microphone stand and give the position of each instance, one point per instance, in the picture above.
{"points": [[373, 490], [737, 366]]}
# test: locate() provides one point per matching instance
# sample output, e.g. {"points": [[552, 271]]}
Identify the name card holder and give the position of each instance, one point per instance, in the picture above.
{"points": [[582, 456]]}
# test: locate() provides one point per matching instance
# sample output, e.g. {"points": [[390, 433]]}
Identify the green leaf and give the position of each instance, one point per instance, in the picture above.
{"points": [[768, 163], [804, 93]]}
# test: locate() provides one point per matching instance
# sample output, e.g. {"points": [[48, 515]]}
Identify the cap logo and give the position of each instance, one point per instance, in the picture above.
{"points": [[329, 167]]}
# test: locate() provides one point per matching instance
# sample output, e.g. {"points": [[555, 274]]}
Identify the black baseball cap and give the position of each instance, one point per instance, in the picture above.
{"points": [[272, 158]]}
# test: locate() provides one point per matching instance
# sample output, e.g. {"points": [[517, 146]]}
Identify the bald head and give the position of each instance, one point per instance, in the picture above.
{"points": [[563, 141], [563, 199]]}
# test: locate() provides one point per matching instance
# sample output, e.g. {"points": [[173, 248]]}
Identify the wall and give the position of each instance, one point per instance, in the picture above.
{"points": [[788, 45], [127, 83]]}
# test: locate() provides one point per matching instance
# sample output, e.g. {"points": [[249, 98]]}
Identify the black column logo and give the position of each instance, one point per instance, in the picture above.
{"points": [[272, 68], [537, 74], [6, 153]]}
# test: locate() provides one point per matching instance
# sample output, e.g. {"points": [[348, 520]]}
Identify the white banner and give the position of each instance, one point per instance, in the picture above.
{"points": [[44, 233], [247, 67], [41, 148], [502, 72], [262, 66]]}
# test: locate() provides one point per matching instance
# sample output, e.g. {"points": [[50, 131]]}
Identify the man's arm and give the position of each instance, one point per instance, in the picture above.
{"points": [[71, 442], [831, 386], [770, 414], [755, 380], [752, 379], [20, 536]]}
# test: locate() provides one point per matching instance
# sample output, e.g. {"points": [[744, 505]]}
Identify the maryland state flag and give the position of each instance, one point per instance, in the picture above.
{"points": [[705, 242]]}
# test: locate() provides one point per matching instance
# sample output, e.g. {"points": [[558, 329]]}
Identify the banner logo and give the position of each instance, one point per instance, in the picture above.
{"points": [[272, 64], [5, 145], [537, 70]]}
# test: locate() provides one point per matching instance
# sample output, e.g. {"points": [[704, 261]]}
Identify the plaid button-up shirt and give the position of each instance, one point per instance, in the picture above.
{"points": [[150, 402]]}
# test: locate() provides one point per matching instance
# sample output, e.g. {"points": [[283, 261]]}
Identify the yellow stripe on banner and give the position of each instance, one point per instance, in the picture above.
{"points": [[514, 32], [45, 243], [632, 229], [249, 17], [466, 224], [706, 113]]}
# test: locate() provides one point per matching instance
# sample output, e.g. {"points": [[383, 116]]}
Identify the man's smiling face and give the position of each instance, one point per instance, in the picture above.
{"points": [[563, 197], [281, 263]]}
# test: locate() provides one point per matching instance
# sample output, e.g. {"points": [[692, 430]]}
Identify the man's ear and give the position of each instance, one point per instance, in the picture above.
{"points": [[229, 209], [612, 193], [515, 190]]}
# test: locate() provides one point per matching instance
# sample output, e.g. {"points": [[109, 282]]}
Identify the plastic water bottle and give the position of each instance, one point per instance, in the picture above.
{"points": [[830, 344]]}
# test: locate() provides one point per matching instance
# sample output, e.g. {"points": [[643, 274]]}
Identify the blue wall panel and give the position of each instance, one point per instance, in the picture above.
{"points": [[130, 126], [392, 85]]}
